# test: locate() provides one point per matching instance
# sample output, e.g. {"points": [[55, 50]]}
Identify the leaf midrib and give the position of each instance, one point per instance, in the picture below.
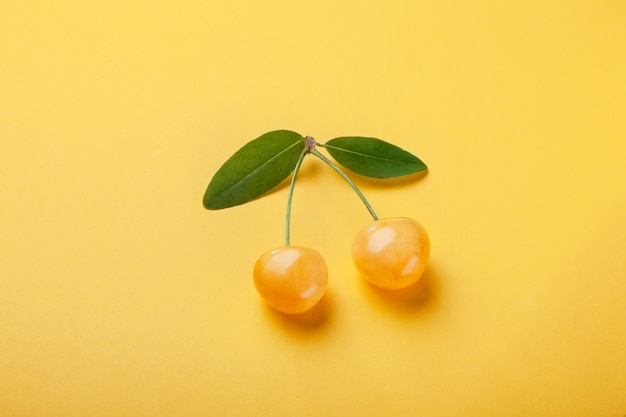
{"points": [[257, 168], [372, 156]]}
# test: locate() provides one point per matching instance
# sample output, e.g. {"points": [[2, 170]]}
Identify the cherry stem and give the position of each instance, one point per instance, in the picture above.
{"points": [[348, 180], [290, 196]]}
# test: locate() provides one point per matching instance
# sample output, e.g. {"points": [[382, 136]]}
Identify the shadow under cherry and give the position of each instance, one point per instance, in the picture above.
{"points": [[418, 298], [315, 320]]}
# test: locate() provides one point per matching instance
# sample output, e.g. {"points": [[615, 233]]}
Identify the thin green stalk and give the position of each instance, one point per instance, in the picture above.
{"points": [[290, 196], [349, 181]]}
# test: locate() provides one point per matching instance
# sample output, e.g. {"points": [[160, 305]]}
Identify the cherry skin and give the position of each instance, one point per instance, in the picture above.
{"points": [[292, 279], [391, 253]]}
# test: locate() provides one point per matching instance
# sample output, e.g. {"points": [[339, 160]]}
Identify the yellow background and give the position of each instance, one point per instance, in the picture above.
{"points": [[121, 295]]}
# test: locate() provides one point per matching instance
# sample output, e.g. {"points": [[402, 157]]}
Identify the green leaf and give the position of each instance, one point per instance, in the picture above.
{"points": [[373, 157], [253, 170]]}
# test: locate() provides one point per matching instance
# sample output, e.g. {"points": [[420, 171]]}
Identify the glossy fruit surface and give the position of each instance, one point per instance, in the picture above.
{"points": [[291, 279], [391, 253]]}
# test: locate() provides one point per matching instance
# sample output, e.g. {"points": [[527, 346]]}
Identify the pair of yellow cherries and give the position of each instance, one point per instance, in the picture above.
{"points": [[390, 253]]}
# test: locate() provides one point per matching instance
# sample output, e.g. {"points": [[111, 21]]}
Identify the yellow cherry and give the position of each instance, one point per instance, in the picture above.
{"points": [[291, 279], [391, 253]]}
